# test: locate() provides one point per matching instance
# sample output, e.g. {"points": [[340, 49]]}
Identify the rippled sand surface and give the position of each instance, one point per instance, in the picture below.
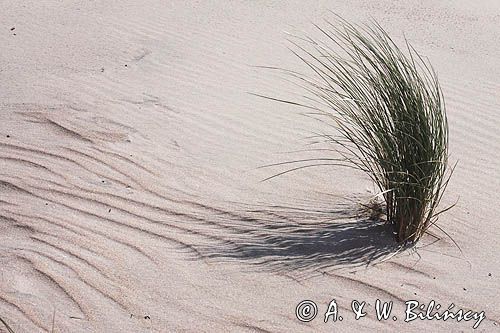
{"points": [[130, 190]]}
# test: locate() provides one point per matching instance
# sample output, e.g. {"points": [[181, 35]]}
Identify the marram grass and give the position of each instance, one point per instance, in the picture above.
{"points": [[388, 112]]}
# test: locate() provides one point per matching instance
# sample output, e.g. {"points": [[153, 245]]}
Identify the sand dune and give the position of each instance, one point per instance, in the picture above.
{"points": [[130, 190]]}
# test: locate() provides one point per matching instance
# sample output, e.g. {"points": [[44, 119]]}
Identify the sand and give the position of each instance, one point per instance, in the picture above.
{"points": [[130, 190]]}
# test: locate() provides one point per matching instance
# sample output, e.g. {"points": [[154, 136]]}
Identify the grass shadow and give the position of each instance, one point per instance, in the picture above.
{"points": [[307, 240]]}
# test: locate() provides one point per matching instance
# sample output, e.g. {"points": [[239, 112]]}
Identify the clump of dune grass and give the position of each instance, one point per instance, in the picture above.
{"points": [[387, 109]]}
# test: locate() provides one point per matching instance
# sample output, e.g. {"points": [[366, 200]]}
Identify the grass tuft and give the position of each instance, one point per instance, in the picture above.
{"points": [[388, 112]]}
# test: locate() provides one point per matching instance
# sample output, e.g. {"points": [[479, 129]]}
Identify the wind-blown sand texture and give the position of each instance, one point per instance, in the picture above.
{"points": [[130, 193]]}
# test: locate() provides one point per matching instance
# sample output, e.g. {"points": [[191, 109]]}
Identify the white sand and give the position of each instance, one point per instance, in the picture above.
{"points": [[130, 199]]}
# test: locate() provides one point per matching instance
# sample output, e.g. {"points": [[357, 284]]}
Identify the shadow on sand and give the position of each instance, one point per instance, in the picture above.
{"points": [[306, 241]]}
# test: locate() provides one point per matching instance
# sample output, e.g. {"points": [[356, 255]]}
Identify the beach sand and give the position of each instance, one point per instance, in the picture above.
{"points": [[130, 190]]}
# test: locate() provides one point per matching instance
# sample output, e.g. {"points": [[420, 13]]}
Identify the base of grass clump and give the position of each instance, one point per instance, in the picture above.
{"points": [[373, 210], [388, 114]]}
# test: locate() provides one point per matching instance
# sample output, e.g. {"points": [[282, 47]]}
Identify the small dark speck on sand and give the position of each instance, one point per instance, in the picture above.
{"points": [[147, 317], [415, 294], [126, 65], [489, 274], [434, 278], [102, 69], [464, 289], [109, 211], [8, 136], [103, 181], [13, 28]]}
